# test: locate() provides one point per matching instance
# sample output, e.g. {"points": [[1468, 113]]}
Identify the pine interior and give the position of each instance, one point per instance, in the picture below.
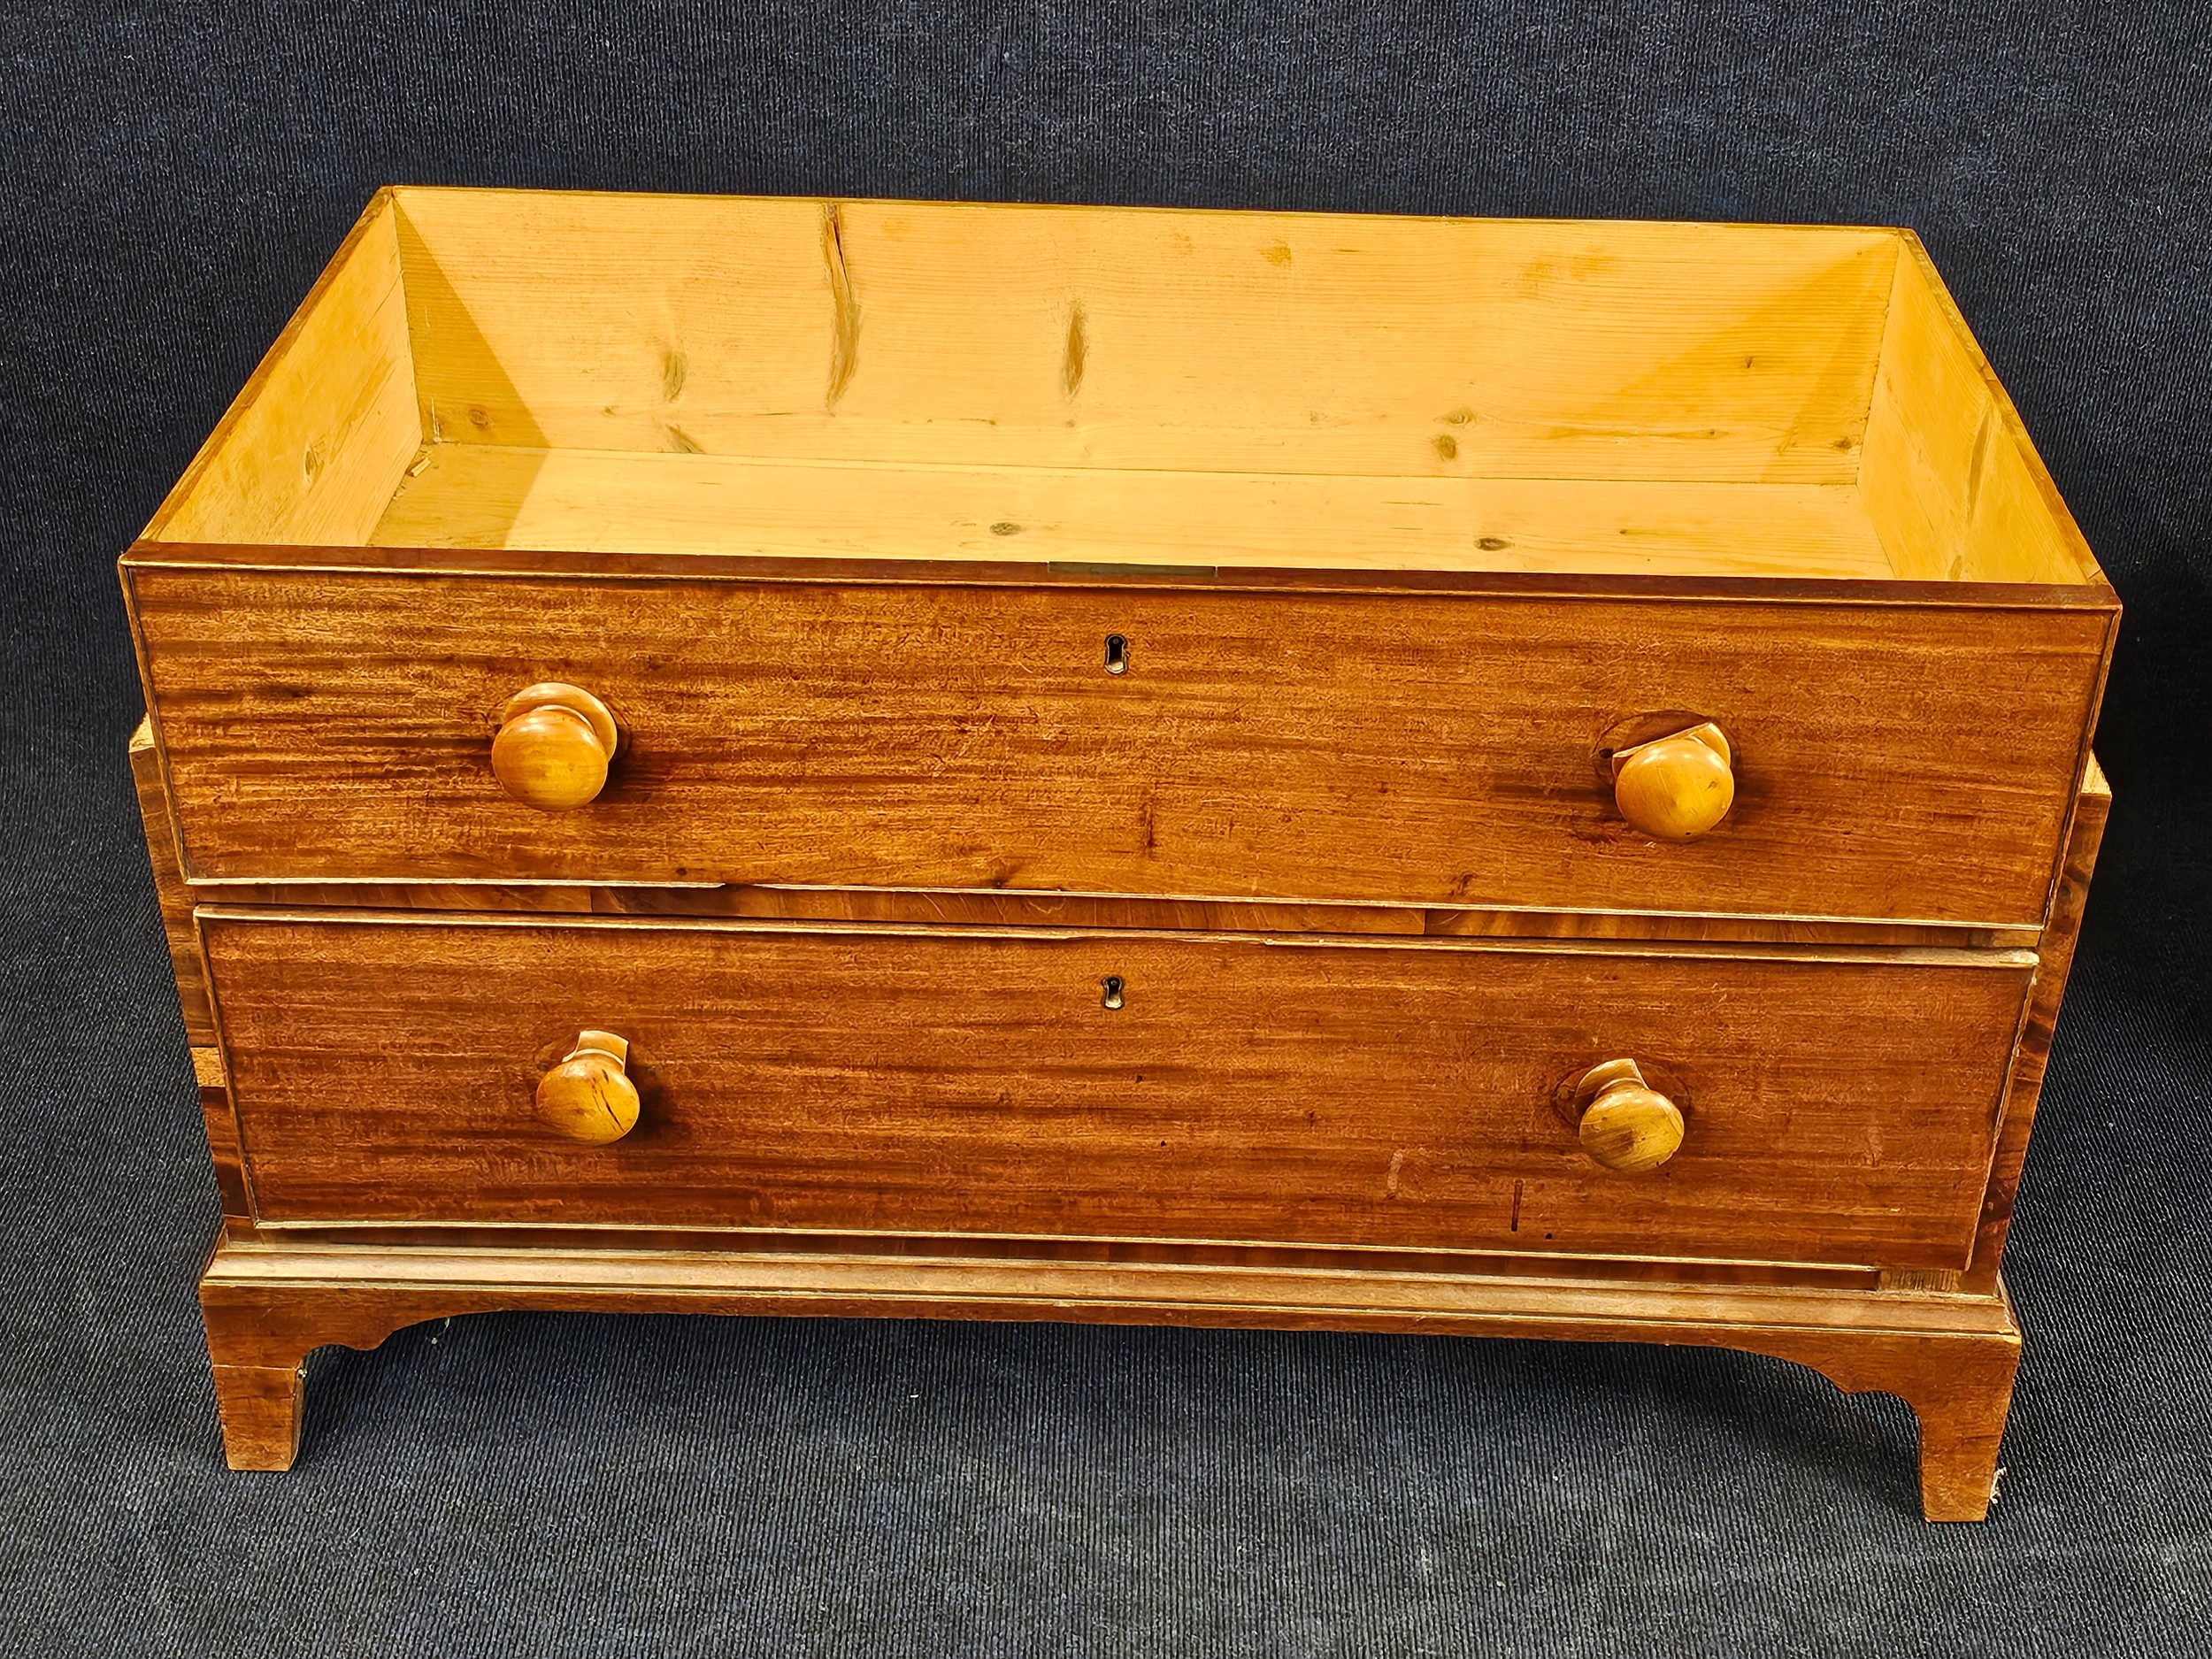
{"points": [[580, 372]]}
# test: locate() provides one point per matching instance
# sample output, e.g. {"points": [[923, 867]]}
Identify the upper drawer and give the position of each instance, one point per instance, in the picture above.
{"points": [[1837, 1106], [1893, 761]]}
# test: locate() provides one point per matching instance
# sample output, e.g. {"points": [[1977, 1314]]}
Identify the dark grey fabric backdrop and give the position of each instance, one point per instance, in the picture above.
{"points": [[526, 1485]]}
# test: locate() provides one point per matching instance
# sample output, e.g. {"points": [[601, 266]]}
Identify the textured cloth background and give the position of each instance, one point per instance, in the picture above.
{"points": [[537, 1485]]}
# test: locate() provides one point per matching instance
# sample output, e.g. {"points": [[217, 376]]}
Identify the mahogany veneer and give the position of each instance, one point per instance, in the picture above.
{"points": [[787, 756]]}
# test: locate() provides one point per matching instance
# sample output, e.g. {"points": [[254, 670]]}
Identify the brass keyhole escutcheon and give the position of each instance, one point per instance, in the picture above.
{"points": [[1110, 988], [1117, 654]]}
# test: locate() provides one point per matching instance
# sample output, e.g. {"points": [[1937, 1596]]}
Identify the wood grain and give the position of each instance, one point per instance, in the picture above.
{"points": [[953, 908], [947, 908], [1951, 1357], [1441, 751], [483, 495], [2025, 1086], [994, 335], [1948, 476], [262, 1406], [322, 434], [1648, 1269], [745, 570], [175, 900], [170, 890], [1265, 1089], [223, 1143]]}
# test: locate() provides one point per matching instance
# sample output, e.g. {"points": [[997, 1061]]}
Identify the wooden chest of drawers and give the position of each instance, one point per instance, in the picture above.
{"points": [[1039, 763]]}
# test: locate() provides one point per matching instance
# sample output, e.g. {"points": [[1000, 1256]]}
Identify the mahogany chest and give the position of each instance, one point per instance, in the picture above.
{"points": [[1034, 763]]}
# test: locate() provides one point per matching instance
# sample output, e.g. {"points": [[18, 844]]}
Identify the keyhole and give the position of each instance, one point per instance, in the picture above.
{"points": [[1117, 658], [1111, 985]]}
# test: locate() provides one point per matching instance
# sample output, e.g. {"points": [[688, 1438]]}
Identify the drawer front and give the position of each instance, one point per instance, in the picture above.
{"points": [[1891, 762], [1839, 1107]]}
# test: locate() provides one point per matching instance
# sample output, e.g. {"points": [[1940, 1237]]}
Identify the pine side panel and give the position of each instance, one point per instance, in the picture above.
{"points": [[314, 445], [1949, 475], [487, 495]]}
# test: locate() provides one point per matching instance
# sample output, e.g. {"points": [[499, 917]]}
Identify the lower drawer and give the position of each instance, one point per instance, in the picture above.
{"points": [[1839, 1105]]}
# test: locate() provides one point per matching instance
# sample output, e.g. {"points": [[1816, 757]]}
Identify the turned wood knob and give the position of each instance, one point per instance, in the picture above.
{"points": [[1625, 1124], [590, 1096], [553, 746], [1675, 788]]}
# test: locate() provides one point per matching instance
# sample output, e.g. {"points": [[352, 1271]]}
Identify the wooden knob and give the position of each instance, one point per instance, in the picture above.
{"points": [[1676, 787], [590, 1096], [1625, 1124], [553, 746]]}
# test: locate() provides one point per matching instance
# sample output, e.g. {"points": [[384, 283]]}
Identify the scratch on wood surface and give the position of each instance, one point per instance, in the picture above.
{"points": [[1976, 463], [845, 323], [1515, 1225], [1397, 1162], [1976, 474], [971, 731], [1072, 363]]}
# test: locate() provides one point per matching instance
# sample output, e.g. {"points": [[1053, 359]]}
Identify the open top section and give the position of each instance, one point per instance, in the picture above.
{"points": [[887, 379]]}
